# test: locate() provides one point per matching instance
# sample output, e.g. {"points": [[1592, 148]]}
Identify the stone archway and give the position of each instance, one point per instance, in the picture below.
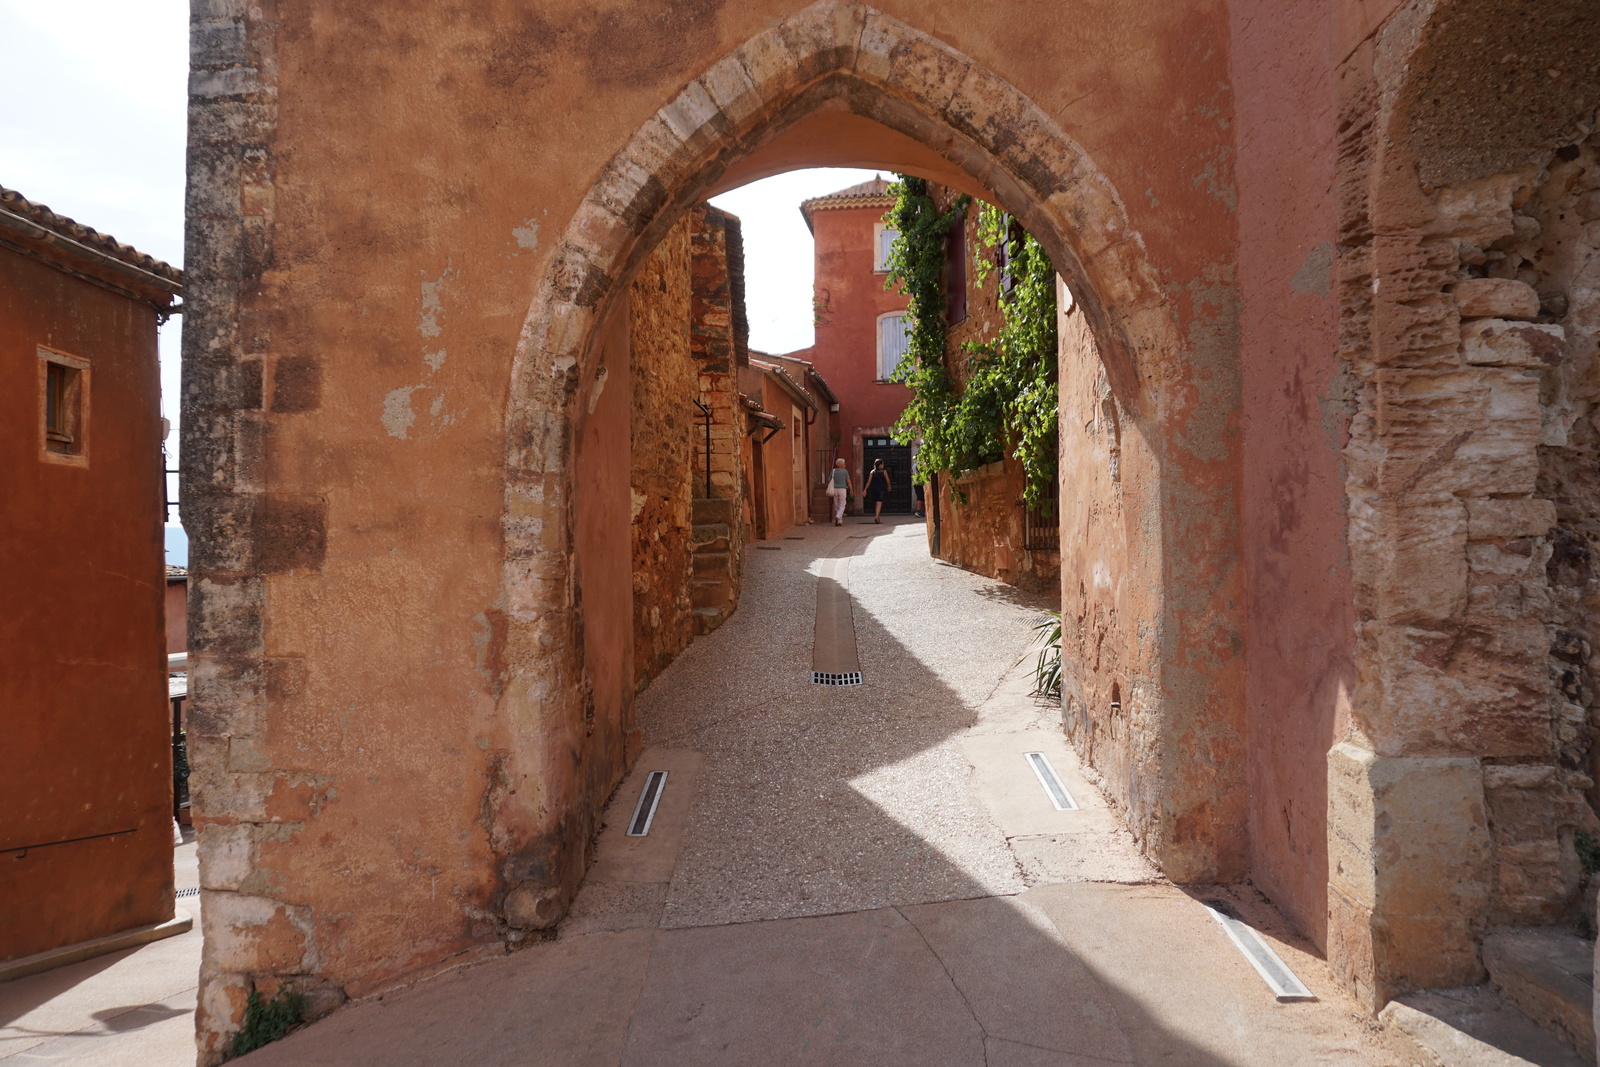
{"points": [[1455, 791], [1180, 779]]}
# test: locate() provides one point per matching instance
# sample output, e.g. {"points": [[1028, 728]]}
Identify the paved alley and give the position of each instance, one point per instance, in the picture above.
{"points": [[863, 874]]}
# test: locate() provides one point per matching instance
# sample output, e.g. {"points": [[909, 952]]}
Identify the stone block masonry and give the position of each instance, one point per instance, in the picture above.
{"points": [[665, 435]]}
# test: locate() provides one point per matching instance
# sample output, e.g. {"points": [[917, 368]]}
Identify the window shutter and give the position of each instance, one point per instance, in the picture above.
{"points": [[886, 238], [893, 335]]}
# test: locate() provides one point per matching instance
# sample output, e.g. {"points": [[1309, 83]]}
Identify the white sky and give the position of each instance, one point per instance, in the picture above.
{"points": [[96, 127]]}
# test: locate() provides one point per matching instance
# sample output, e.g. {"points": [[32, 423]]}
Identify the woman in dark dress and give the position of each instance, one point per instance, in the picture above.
{"points": [[878, 487]]}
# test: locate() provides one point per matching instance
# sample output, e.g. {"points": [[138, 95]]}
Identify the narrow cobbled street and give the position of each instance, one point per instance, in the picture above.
{"points": [[863, 874]]}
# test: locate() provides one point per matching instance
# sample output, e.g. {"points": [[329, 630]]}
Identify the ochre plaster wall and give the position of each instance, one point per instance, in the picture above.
{"points": [[1294, 420], [394, 769], [82, 643], [1110, 676], [175, 604], [604, 559]]}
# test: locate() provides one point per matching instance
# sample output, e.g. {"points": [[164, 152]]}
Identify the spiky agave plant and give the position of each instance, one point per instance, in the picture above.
{"points": [[1047, 669]]}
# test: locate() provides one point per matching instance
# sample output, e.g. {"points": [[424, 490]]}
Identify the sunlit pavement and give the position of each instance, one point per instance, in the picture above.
{"points": [[134, 1007]]}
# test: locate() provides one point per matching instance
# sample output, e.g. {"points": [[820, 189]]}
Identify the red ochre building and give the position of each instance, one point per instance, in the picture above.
{"points": [[86, 767], [860, 330]]}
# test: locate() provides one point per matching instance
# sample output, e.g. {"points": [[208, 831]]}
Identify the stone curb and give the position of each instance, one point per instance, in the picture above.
{"points": [[181, 923]]}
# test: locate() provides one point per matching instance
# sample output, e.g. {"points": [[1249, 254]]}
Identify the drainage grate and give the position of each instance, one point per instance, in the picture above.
{"points": [[645, 813], [825, 678], [794, 538], [770, 548], [182, 893], [1051, 781], [1279, 978]]}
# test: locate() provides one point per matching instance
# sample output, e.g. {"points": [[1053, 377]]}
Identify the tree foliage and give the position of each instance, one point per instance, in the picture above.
{"points": [[1008, 401]]}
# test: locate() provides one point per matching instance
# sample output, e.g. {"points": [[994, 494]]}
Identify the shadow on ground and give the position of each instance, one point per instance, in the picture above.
{"points": [[834, 888]]}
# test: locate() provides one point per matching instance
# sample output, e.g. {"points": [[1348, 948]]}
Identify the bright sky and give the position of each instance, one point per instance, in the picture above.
{"points": [[96, 126], [777, 252]]}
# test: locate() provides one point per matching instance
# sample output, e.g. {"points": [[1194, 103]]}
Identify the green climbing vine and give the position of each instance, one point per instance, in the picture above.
{"points": [[1008, 401]]}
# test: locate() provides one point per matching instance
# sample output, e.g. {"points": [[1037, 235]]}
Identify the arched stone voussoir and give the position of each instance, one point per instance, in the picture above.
{"points": [[910, 64], [829, 55], [822, 38]]}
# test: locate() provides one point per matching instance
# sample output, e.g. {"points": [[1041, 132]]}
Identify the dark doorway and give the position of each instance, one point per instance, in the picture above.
{"points": [[897, 458]]}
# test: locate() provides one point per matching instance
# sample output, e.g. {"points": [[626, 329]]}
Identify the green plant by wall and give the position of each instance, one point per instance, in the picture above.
{"points": [[1009, 400], [1588, 850], [267, 1020], [1047, 668]]}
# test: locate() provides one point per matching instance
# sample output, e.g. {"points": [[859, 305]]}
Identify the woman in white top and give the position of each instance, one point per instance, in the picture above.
{"points": [[841, 486]]}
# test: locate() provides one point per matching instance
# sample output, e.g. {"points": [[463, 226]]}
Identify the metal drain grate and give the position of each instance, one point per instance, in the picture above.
{"points": [[770, 548], [825, 678], [1279, 978], [794, 538], [645, 812], [183, 893], [1053, 786]]}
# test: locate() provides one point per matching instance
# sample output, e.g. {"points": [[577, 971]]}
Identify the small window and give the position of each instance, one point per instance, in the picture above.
{"points": [[955, 272], [65, 387], [894, 337], [883, 240]]}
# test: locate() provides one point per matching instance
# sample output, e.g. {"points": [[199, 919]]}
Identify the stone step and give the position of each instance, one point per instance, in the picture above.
{"points": [[1549, 974], [712, 509], [709, 592], [1474, 1026], [718, 565], [710, 536], [708, 619]]}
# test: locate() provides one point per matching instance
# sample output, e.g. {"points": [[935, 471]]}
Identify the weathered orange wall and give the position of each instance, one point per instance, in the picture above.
{"points": [[176, 610], [346, 483], [82, 642], [604, 559], [1295, 417], [849, 296], [1110, 682]]}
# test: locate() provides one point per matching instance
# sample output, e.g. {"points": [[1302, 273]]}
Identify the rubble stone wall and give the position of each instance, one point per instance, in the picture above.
{"points": [[984, 532], [665, 435], [1467, 322]]}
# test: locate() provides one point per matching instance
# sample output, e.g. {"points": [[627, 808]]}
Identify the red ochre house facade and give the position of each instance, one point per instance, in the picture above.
{"points": [[860, 333], [86, 770]]}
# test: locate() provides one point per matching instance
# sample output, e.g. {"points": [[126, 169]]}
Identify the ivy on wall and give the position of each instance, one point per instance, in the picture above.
{"points": [[1009, 399]]}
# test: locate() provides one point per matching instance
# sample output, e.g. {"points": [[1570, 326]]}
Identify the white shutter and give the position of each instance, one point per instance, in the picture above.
{"points": [[894, 332], [886, 238]]}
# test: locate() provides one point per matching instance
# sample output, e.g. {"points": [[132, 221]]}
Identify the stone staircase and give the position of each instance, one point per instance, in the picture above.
{"points": [[821, 505], [711, 588], [1536, 1007]]}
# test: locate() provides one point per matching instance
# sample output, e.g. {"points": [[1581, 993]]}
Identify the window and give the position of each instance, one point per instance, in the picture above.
{"points": [[955, 272], [883, 240], [894, 335], [64, 383]]}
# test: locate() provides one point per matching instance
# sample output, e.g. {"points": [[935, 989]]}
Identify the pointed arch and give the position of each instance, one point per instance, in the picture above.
{"points": [[831, 55]]}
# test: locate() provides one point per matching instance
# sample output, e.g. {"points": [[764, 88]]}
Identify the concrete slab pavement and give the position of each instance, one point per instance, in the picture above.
{"points": [[130, 1007]]}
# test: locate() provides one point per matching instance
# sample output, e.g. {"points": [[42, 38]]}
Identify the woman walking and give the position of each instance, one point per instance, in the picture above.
{"points": [[840, 483], [878, 486]]}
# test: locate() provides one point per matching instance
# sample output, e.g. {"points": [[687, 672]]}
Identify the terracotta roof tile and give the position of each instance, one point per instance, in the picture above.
{"points": [[14, 203]]}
